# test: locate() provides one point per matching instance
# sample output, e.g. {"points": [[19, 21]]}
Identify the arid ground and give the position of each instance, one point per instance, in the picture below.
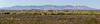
{"points": [[34, 17]]}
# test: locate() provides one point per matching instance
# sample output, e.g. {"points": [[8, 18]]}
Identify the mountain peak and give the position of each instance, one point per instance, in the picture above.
{"points": [[48, 7]]}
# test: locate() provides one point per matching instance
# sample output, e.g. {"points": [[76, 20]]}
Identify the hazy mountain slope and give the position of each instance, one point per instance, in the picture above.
{"points": [[48, 7]]}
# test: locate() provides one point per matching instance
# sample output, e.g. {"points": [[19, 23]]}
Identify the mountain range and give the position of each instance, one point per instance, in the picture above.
{"points": [[48, 7]]}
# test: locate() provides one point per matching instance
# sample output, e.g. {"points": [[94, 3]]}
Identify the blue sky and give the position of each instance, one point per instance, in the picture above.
{"points": [[90, 3]]}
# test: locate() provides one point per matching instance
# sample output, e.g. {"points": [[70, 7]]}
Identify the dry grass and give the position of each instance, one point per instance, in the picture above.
{"points": [[47, 17]]}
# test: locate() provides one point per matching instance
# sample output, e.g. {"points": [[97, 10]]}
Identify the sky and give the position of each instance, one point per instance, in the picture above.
{"points": [[89, 3]]}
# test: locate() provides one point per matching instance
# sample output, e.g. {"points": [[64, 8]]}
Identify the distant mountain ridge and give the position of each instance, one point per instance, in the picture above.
{"points": [[48, 7]]}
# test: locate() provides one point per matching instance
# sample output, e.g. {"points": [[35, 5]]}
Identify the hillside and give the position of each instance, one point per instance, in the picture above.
{"points": [[48, 7]]}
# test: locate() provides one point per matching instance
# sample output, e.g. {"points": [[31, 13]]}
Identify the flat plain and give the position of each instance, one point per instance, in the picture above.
{"points": [[49, 17]]}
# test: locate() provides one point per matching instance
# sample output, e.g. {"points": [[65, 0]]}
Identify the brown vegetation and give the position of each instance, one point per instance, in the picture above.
{"points": [[49, 17]]}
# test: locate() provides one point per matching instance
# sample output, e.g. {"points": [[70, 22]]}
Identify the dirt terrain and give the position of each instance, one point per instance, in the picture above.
{"points": [[49, 19]]}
